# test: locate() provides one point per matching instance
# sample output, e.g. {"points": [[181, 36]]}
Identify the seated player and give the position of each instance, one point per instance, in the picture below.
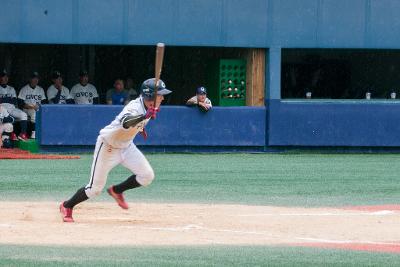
{"points": [[30, 98], [57, 93], [200, 100], [83, 92], [6, 128], [117, 95], [8, 99]]}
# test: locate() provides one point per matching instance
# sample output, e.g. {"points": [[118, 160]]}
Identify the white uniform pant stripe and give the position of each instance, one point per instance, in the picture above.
{"points": [[94, 166]]}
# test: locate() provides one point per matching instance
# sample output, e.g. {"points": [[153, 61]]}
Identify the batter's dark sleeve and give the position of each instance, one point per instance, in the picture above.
{"points": [[129, 120], [70, 101]]}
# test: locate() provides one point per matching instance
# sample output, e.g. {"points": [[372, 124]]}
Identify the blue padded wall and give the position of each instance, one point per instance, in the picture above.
{"points": [[174, 126], [347, 123]]}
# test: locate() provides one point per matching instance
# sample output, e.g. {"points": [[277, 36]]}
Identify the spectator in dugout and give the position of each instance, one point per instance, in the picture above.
{"points": [[30, 98], [117, 95], [200, 100], [8, 100], [57, 93], [84, 92]]}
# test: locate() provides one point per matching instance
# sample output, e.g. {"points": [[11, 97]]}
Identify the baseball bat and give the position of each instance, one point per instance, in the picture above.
{"points": [[158, 67]]}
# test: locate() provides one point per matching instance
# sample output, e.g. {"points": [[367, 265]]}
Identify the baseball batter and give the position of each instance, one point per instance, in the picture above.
{"points": [[84, 92], [31, 97], [114, 146], [57, 93], [8, 99]]}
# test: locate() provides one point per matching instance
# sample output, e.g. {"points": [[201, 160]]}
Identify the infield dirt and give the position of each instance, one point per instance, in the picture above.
{"points": [[105, 224]]}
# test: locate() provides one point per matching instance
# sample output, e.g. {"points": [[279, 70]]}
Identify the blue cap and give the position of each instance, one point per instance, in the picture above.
{"points": [[83, 73], [55, 75], [34, 74], [3, 73], [201, 90]]}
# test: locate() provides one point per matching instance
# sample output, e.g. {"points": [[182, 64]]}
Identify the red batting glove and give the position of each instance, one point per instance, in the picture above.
{"points": [[152, 113]]}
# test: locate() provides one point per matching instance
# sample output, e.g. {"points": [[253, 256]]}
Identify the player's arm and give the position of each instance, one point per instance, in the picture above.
{"points": [[96, 97], [128, 120], [192, 101], [56, 98]]}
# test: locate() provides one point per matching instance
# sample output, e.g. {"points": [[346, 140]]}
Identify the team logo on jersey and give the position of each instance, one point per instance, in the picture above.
{"points": [[84, 94], [34, 97], [5, 95]]}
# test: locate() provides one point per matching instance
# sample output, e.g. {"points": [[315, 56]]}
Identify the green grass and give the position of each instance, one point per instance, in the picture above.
{"points": [[259, 179], [189, 256]]}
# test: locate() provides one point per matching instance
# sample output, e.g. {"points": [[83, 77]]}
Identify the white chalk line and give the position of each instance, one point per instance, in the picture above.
{"points": [[332, 241], [191, 227], [375, 213]]}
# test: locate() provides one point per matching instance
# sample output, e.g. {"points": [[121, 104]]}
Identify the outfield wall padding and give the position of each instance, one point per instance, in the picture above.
{"points": [[357, 123]]}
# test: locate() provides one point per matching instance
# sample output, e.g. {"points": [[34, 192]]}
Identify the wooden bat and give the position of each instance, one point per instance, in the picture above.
{"points": [[158, 67]]}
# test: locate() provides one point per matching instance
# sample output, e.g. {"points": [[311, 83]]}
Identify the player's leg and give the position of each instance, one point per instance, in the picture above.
{"points": [[32, 118], [5, 132], [22, 117], [104, 159], [143, 174]]}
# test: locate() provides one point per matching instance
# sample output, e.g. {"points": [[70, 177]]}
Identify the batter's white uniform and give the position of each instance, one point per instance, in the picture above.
{"points": [[32, 96], [9, 92], [114, 146], [52, 91], [4, 127], [83, 94]]}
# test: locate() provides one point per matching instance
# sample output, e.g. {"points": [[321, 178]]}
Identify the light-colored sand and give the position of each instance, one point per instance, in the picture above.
{"points": [[105, 224]]}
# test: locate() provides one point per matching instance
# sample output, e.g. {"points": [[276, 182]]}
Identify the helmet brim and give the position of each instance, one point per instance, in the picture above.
{"points": [[164, 91]]}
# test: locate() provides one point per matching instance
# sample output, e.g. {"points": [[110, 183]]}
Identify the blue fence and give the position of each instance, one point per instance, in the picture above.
{"points": [[174, 126], [289, 123], [336, 123]]}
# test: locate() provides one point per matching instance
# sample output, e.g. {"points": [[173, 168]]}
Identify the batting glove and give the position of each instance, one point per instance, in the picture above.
{"points": [[152, 113]]}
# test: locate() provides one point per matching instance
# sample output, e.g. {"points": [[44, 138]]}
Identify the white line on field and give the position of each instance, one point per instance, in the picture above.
{"points": [[195, 227], [331, 241], [376, 213]]}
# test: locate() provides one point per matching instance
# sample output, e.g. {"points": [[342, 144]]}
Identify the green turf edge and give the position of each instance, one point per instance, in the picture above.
{"points": [[15, 255]]}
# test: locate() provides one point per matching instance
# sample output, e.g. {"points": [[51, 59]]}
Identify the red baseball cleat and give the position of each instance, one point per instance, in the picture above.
{"points": [[13, 137], [23, 137], [66, 213], [118, 197]]}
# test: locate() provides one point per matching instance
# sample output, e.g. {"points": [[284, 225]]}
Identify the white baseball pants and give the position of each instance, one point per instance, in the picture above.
{"points": [[31, 114], [6, 127], [105, 158], [18, 114]]}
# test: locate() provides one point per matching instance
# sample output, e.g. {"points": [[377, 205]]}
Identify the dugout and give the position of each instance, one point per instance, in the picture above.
{"points": [[339, 36], [185, 68]]}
